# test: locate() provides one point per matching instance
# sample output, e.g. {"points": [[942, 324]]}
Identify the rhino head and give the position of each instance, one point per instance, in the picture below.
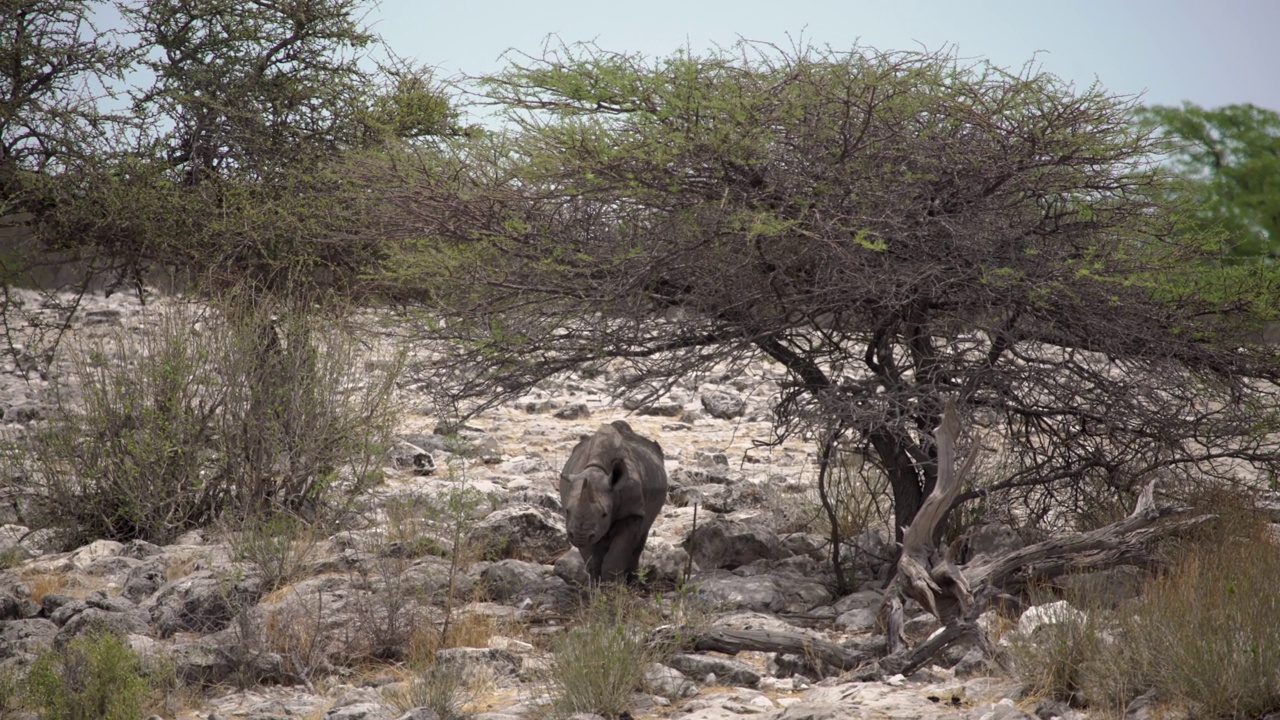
{"points": [[588, 502]]}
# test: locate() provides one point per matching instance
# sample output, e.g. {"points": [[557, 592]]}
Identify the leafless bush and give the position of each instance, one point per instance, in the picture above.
{"points": [[393, 614], [247, 411]]}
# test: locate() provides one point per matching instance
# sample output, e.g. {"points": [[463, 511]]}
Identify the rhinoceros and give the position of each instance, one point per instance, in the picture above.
{"points": [[612, 488]]}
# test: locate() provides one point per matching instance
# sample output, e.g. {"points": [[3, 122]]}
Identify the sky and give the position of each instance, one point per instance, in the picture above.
{"points": [[1209, 52]]}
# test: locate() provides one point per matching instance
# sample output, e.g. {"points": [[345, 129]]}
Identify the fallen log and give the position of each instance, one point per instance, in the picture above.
{"points": [[822, 653]]}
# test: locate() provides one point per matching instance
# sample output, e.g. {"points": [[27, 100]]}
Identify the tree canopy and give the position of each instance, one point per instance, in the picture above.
{"points": [[226, 163], [893, 229], [1230, 160]]}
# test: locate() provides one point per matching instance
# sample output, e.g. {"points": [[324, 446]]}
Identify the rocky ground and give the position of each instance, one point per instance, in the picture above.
{"points": [[203, 606]]}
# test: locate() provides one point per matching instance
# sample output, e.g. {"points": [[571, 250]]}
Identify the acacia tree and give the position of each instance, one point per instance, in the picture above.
{"points": [[54, 64], [227, 171], [225, 166], [57, 70], [892, 228]]}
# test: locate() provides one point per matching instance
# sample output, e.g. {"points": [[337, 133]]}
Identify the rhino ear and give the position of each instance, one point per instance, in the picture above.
{"points": [[618, 471]]}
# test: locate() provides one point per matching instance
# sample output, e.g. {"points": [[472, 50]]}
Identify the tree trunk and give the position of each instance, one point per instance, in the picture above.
{"points": [[908, 490]]}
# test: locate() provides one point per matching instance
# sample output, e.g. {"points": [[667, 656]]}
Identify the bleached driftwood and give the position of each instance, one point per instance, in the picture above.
{"points": [[957, 595]]}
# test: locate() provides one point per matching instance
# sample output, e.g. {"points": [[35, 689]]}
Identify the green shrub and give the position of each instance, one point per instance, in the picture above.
{"points": [[599, 662], [10, 692], [250, 411], [128, 458], [95, 677]]}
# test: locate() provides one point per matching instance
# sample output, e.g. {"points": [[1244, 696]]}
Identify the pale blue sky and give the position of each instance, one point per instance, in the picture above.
{"points": [[1211, 52]]}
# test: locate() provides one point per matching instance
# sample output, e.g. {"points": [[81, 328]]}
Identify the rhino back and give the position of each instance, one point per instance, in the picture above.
{"points": [[630, 437], [646, 457]]}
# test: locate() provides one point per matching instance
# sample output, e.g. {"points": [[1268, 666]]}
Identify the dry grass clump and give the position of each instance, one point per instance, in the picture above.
{"points": [[446, 688], [465, 628], [1206, 635], [1203, 634], [599, 662], [1060, 659], [46, 583]]}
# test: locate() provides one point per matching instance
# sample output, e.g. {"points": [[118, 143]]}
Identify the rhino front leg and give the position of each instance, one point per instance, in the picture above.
{"points": [[593, 558], [626, 541]]}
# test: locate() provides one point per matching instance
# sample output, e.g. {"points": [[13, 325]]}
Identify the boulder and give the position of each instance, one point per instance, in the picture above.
{"points": [[482, 447], [539, 498], [501, 663], [729, 543], [145, 579], [435, 444], [201, 602], [140, 550], [26, 639], [360, 703], [407, 456], [215, 660], [522, 532], [991, 540], [700, 475], [857, 619], [668, 682], [16, 604], [663, 561], [360, 711], [710, 496], [723, 405], [807, 545], [200, 663], [12, 545], [655, 409], [859, 600], [1006, 709], [716, 670], [507, 579], [726, 591], [133, 622], [570, 568], [1054, 613], [573, 411], [733, 704], [83, 557]]}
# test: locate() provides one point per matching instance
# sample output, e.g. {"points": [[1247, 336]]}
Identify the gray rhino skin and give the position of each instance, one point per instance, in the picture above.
{"points": [[612, 488]]}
